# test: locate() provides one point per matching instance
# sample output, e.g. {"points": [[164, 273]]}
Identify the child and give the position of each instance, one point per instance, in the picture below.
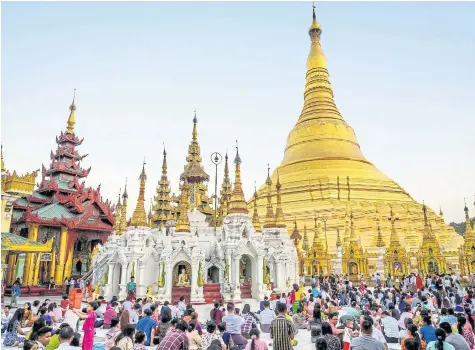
{"points": [[64, 305], [15, 293], [6, 317], [140, 340], [256, 343], [88, 326]]}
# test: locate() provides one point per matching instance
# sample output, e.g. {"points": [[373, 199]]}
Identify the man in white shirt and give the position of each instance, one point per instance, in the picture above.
{"points": [[134, 315], [182, 305], [127, 305], [174, 310], [266, 317], [66, 335]]}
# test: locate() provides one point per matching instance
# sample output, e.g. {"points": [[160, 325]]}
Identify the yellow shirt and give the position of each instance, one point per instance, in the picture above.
{"points": [[299, 295]]}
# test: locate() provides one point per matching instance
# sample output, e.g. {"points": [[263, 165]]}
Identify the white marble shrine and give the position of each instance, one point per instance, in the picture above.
{"points": [[168, 264]]}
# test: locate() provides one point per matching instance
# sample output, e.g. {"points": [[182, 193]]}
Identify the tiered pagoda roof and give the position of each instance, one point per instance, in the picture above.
{"points": [[162, 208], [60, 199]]}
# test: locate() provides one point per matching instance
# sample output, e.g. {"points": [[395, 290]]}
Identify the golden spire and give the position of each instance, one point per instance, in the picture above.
{"points": [[118, 208], [279, 213], [311, 139], [270, 218], [338, 239], [317, 244], [162, 208], [379, 236], [139, 217], [71, 119], [183, 223], [237, 203], [255, 215], [469, 233], [123, 214], [225, 193], [305, 238], [295, 236]]}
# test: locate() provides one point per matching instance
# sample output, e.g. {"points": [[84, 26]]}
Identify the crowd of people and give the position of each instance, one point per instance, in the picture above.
{"points": [[411, 313]]}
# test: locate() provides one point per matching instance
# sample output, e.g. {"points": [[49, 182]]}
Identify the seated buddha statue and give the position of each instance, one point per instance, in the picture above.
{"points": [[183, 279]]}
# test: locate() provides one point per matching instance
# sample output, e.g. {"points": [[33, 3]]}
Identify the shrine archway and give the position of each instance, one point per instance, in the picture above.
{"points": [[182, 274], [352, 268], [79, 267], [212, 275], [432, 267]]}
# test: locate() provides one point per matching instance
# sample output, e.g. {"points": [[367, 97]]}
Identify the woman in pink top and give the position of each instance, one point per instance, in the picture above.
{"points": [[256, 343], [88, 326]]}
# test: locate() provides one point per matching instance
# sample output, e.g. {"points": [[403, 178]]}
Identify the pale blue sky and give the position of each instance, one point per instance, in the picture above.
{"points": [[403, 76]]}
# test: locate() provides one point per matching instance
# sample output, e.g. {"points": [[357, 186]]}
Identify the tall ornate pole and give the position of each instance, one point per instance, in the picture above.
{"points": [[216, 158]]}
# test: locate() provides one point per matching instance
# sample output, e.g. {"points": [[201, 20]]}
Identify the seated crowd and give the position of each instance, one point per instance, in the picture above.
{"points": [[336, 314]]}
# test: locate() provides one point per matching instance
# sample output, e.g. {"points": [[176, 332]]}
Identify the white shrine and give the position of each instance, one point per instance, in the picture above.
{"points": [[188, 256]]}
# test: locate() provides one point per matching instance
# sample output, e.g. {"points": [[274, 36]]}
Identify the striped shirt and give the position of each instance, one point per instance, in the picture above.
{"points": [[281, 331]]}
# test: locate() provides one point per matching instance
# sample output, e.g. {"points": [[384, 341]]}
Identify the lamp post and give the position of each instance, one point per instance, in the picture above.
{"points": [[216, 158]]}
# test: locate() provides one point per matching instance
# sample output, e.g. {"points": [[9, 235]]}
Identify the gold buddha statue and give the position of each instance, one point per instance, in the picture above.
{"points": [[183, 279]]}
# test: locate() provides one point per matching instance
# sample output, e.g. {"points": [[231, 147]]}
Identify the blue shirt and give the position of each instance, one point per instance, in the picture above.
{"points": [[315, 292], [428, 332], [146, 325]]}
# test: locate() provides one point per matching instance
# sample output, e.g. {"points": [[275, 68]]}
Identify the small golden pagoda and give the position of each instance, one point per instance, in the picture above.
{"points": [[123, 211], [225, 193], [139, 217], [162, 208], [117, 216], [467, 251], [395, 257], [318, 260], [432, 259], [297, 237], [195, 175], [355, 262], [324, 170]]}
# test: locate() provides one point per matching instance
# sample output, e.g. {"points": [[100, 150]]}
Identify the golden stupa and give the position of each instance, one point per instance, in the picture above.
{"points": [[324, 174]]}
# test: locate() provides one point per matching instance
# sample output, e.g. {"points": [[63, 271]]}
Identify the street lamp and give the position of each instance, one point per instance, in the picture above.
{"points": [[216, 158]]}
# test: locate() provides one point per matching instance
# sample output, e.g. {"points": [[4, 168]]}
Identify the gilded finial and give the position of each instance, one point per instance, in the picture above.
{"points": [[139, 217], [117, 214], [315, 26], [237, 203], [125, 195], [270, 217], [71, 119], [441, 214], [123, 211]]}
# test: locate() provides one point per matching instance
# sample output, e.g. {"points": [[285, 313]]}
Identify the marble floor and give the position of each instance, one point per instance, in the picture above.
{"points": [[303, 336]]}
